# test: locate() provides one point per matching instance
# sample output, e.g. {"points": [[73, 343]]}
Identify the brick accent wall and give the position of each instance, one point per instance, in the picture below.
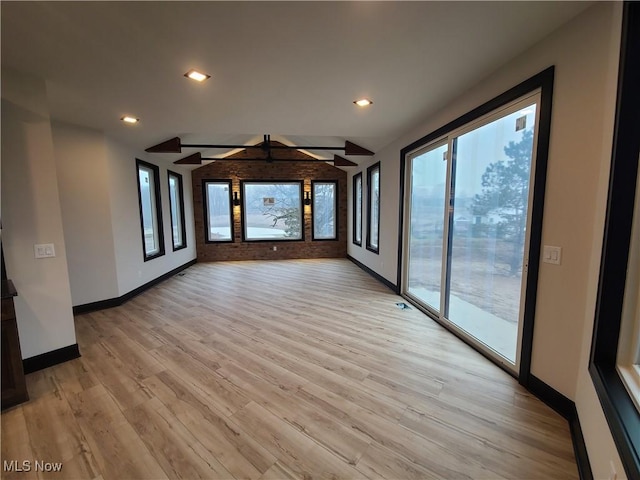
{"points": [[237, 171]]}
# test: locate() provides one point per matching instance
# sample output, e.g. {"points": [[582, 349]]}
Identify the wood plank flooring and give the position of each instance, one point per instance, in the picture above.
{"points": [[293, 369]]}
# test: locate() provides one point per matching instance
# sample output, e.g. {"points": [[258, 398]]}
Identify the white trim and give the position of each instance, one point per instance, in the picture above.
{"points": [[411, 157], [628, 358], [263, 232], [314, 208], [358, 209], [155, 228], [207, 204], [528, 99], [631, 378]]}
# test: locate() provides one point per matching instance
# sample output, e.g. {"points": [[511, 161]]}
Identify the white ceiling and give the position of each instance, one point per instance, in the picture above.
{"points": [[290, 69]]}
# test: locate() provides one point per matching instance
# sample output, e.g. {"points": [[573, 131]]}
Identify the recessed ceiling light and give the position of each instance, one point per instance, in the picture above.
{"points": [[363, 102], [197, 76], [129, 119]]}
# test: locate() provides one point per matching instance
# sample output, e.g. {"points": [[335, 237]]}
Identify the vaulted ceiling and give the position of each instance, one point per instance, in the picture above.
{"points": [[289, 69]]}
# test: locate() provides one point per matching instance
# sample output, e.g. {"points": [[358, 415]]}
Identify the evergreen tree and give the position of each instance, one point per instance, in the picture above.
{"points": [[505, 191]]}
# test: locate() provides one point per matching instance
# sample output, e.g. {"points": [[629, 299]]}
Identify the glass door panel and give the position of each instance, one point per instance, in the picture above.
{"points": [[427, 202], [487, 229]]}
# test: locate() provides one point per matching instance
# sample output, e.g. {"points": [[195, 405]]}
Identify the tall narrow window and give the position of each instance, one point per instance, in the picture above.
{"points": [[427, 204], [628, 361], [272, 210], [373, 210], [357, 209], [218, 220], [150, 210], [176, 209], [325, 196], [615, 353]]}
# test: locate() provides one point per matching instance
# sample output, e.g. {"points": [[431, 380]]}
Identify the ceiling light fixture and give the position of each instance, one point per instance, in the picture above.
{"points": [[129, 119], [363, 102], [197, 76]]}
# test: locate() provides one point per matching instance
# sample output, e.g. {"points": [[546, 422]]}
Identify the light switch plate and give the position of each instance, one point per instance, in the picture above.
{"points": [[551, 254], [44, 250]]}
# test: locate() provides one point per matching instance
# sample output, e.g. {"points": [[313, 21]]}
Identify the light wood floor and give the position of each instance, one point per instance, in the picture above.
{"points": [[279, 370]]}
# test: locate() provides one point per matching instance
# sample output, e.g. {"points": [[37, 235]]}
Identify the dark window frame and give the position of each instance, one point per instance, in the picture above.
{"points": [[300, 183], [356, 177], [335, 210], [619, 408], [205, 209], [158, 202], [370, 170], [182, 226], [543, 81]]}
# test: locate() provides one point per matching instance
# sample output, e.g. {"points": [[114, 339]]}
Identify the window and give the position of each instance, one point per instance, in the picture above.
{"points": [[468, 203], [373, 207], [357, 209], [427, 190], [272, 210], [218, 214], [325, 197], [460, 234], [176, 209], [616, 318], [150, 210], [628, 363]]}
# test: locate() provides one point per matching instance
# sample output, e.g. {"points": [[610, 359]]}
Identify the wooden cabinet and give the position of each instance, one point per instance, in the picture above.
{"points": [[14, 387]]}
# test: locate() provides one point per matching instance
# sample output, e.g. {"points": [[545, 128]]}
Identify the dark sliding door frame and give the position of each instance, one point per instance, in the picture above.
{"points": [[544, 82]]}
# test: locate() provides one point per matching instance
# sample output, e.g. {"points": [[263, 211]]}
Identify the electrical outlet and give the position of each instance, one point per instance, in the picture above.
{"points": [[44, 250], [274, 248]]}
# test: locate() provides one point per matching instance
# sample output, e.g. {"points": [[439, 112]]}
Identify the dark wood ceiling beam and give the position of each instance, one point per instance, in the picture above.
{"points": [[170, 146], [339, 161], [353, 149], [197, 159], [175, 145], [194, 159]]}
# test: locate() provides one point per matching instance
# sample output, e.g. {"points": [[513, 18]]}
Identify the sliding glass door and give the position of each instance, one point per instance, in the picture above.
{"points": [[428, 187], [490, 197], [466, 227]]}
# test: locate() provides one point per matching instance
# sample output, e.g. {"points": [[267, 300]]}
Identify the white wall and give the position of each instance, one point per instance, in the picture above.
{"points": [[385, 262], [99, 198], [75, 188], [601, 448], [31, 214], [132, 270], [83, 180], [585, 53]]}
